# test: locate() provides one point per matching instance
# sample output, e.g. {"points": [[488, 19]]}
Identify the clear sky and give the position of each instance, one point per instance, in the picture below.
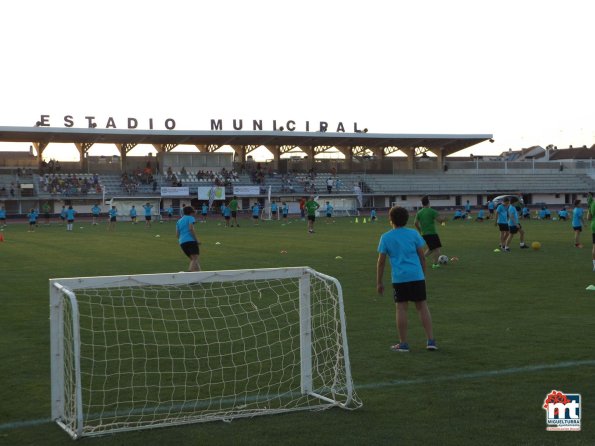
{"points": [[520, 69]]}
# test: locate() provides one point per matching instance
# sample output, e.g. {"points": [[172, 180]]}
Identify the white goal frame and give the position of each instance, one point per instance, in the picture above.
{"points": [[68, 397]]}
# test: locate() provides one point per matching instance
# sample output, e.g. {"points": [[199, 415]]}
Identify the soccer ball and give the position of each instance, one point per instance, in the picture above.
{"points": [[536, 245], [443, 260]]}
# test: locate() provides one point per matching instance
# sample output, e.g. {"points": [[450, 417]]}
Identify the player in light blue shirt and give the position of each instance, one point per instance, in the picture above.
{"points": [[32, 216], [148, 207], [133, 215], [577, 222], [63, 214], [491, 207], [274, 211], [227, 215], [563, 214], [95, 212], [187, 237], [2, 216], [285, 210], [329, 210], [255, 212], [502, 221], [70, 213], [204, 211], [404, 248], [480, 216], [526, 212], [170, 213], [113, 214], [514, 226], [373, 215]]}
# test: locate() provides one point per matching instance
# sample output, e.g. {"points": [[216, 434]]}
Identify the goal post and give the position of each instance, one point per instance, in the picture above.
{"points": [[145, 351]]}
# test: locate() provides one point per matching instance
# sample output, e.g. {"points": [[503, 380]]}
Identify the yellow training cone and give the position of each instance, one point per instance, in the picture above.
{"points": [[364, 220], [356, 220]]}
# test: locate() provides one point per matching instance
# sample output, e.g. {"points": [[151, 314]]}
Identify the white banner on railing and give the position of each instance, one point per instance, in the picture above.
{"points": [[204, 193], [175, 191], [246, 191]]}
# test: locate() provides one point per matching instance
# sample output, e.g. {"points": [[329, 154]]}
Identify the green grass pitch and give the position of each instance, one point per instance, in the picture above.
{"points": [[510, 328]]}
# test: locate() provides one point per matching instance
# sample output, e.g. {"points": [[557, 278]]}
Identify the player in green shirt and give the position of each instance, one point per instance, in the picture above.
{"points": [[310, 207], [425, 222], [233, 206]]}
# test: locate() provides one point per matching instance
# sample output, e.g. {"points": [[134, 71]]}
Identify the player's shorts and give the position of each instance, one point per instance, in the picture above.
{"points": [[190, 248], [32, 223], [410, 291], [112, 219], [234, 214], [147, 217], [2, 219], [170, 215], [491, 211], [514, 229], [284, 215], [577, 228], [311, 217], [373, 218], [594, 238], [227, 217], [329, 215], [46, 215], [479, 219], [204, 214], [70, 221], [62, 217], [432, 240], [503, 227]]}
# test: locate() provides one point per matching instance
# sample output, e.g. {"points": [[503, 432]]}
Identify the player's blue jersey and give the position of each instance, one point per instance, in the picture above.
{"points": [[502, 212], [329, 209], [147, 208], [95, 210], [491, 206], [133, 212], [2, 214], [285, 209], [481, 214], [526, 211], [70, 213], [183, 228], [255, 210], [227, 211], [113, 212], [32, 217], [274, 208], [513, 216], [577, 217], [63, 213], [205, 209], [373, 213], [400, 245], [170, 211]]}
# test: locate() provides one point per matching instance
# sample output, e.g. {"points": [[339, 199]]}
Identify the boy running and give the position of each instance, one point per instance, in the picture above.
{"points": [[502, 221], [187, 237], [514, 226], [404, 247], [425, 222]]}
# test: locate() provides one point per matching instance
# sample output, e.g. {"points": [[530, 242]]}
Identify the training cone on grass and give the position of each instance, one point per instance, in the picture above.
{"points": [[364, 220], [356, 220], [1, 237]]}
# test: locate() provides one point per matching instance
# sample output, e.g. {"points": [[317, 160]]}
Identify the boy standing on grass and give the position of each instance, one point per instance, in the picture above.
{"points": [[590, 213], [311, 207], [404, 247], [577, 222]]}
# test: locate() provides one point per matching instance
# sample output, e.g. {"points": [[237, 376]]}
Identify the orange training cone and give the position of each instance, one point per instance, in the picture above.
{"points": [[1, 237]]}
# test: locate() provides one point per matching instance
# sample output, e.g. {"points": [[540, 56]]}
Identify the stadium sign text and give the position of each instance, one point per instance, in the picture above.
{"points": [[216, 124]]}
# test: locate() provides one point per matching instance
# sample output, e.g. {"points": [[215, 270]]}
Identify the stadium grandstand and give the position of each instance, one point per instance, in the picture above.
{"points": [[374, 170]]}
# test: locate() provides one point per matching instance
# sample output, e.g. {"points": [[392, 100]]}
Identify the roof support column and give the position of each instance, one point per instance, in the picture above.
{"points": [[124, 149], [276, 151], [439, 152], [410, 152], [40, 147], [311, 152], [83, 149]]}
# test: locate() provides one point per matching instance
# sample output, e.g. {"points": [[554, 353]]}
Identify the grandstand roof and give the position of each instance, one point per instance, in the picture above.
{"points": [[450, 142]]}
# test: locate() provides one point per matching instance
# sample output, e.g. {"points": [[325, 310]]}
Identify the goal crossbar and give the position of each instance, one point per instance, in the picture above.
{"points": [[133, 352]]}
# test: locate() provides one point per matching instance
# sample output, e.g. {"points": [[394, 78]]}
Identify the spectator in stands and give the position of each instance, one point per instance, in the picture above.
{"points": [[12, 190], [329, 185]]}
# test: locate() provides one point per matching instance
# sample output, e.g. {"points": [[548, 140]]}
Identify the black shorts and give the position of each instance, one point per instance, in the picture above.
{"points": [[112, 219], [2, 219], [62, 218], [70, 221], [46, 215], [578, 228], [479, 218], [255, 217], [433, 241], [503, 227], [284, 215], [234, 214], [190, 248], [33, 223], [491, 211], [329, 215], [312, 217], [594, 238], [227, 217], [147, 217], [514, 229], [410, 291]]}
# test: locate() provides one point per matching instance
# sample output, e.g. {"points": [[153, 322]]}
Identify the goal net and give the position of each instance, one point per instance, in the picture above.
{"points": [[136, 352]]}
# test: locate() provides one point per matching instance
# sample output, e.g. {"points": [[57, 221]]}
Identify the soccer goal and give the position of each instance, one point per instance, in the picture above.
{"points": [[144, 351]]}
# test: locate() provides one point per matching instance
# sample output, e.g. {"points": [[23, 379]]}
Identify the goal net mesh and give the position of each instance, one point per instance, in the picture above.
{"points": [[153, 355]]}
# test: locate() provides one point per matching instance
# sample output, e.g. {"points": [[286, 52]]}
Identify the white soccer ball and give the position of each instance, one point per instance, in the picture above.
{"points": [[443, 260]]}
